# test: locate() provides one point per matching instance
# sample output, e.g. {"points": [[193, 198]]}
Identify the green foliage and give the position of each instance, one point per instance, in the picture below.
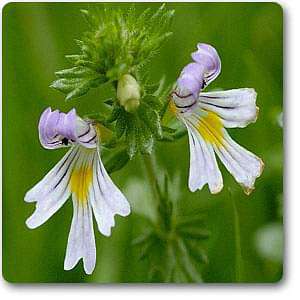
{"points": [[138, 129], [117, 42], [117, 161], [77, 81], [172, 245], [171, 134]]}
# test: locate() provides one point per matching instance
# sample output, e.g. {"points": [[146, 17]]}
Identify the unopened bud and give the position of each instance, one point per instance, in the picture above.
{"points": [[128, 93]]}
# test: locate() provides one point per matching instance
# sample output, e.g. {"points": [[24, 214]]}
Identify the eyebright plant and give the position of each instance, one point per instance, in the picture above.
{"points": [[115, 51]]}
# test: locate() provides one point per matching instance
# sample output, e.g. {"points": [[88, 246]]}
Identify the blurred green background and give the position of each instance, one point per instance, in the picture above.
{"points": [[248, 37]]}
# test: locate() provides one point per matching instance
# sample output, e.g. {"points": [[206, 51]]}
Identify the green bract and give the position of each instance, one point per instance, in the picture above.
{"points": [[118, 42], [115, 51]]}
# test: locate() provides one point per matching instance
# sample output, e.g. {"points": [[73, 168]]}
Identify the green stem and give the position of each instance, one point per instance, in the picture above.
{"points": [[238, 250], [149, 165]]}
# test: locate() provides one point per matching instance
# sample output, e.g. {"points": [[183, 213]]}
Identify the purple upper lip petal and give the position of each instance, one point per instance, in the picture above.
{"points": [[205, 68], [54, 124]]}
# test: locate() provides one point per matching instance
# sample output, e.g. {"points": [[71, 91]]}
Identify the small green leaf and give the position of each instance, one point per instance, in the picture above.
{"points": [[77, 81], [131, 135], [75, 58], [146, 247], [143, 238], [186, 262], [145, 139], [168, 136], [116, 112], [180, 133], [112, 143], [151, 119], [121, 124], [155, 89], [151, 88], [109, 102], [117, 161], [76, 72], [168, 129], [196, 251], [90, 18], [190, 221], [153, 102], [97, 116], [117, 71]]}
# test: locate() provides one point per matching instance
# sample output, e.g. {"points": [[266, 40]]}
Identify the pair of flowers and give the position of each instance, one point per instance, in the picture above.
{"points": [[81, 172]]}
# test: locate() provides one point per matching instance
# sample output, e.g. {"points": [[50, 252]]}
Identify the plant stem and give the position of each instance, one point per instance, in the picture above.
{"points": [[238, 251], [149, 165]]}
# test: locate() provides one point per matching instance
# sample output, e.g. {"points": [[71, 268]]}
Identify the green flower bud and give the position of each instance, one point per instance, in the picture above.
{"points": [[128, 93]]}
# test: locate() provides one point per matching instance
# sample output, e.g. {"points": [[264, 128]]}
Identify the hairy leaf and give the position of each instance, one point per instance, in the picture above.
{"points": [[77, 81]]}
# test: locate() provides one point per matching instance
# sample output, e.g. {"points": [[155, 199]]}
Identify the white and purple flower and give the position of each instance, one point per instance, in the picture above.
{"points": [[206, 115], [79, 173]]}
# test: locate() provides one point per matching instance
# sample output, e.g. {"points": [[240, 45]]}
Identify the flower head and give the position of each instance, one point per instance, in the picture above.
{"points": [[79, 173], [206, 115]]}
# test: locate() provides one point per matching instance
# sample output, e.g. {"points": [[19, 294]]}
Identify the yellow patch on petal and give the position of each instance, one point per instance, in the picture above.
{"points": [[210, 127], [170, 113], [172, 107], [80, 182]]}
